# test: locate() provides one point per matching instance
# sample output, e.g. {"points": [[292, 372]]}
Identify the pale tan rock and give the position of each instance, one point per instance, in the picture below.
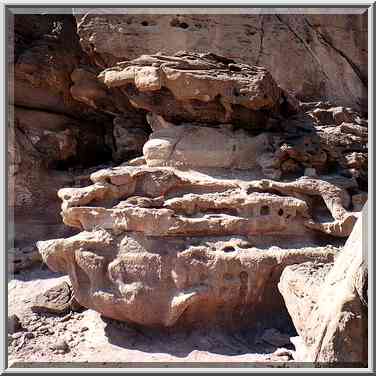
{"points": [[330, 313], [335, 198], [248, 211], [158, 242], [204, 147], [301, 286]]}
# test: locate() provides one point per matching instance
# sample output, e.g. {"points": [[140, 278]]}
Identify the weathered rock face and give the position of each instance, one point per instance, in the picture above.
{"points": [[42, 147], [317, 56], [329, 303], [188, 232], [154, 280], [43, 60], [51, 133], [197, 87], [159, 242]]}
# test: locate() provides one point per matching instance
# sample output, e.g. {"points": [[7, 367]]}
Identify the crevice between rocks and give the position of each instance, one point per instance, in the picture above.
{"points": [[261, 41]]}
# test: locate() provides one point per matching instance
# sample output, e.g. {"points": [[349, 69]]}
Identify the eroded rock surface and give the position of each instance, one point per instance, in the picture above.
{"points": [[51, 134], [329, 303], [170, 239], [317, 56], [157, 281], [202, 226]]}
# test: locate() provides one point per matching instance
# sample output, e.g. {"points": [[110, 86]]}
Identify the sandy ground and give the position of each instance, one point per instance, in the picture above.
{"points": [[93, 338]]}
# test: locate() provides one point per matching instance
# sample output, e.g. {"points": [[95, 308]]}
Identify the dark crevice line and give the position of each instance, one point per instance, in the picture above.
{"points": [[341, 53], [261, 41], [49, 111], [303, 43]]}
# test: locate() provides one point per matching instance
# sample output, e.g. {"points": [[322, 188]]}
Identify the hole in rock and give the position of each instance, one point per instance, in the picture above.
{"points": [[280, 212], [320, 212], [145, 23], [265, 210], [176, 23], [228, 249], [243, 277]]}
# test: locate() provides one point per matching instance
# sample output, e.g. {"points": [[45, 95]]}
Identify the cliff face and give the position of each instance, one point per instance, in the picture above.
{"points": [[316, 56]]}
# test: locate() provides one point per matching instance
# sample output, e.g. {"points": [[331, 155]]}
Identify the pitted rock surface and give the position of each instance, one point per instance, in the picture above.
{"points": [[202, 226]]}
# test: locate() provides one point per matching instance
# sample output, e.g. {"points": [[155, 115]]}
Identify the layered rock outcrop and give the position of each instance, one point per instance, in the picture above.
{"points": [[64, 119], [318, 55], [202, 226]]}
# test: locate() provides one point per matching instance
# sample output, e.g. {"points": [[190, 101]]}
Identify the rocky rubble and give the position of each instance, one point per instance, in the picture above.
{"points": [[237, 181]]}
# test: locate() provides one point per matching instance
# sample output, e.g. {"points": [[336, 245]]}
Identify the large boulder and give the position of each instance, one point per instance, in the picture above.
{"points": [[153, 280], [170, 239], [329, 303], [197, 87]]}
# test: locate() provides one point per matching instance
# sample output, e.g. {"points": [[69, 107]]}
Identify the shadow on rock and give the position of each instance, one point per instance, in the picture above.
{"points": [[180, 342]]}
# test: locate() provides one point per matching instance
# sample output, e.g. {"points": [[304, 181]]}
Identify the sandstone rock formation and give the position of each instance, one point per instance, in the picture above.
{"points": [[64, 119], [188, 232], [329, 303], [197, 87], [316, 55]]}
